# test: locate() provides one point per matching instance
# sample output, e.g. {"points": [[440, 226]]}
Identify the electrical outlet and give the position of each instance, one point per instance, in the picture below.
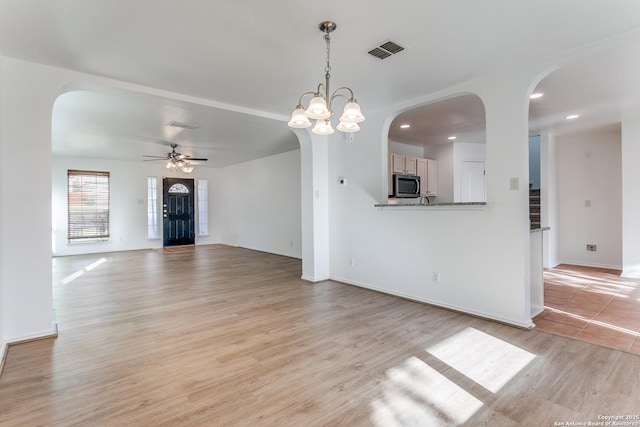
{"points": [[592, 248], [435, 277]]}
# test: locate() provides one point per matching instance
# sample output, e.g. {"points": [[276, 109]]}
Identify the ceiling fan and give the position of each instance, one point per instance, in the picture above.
{"points": [[176, 160]]}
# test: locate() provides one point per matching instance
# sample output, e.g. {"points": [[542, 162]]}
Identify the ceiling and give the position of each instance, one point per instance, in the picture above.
{"points": [[461, 117], [263, 55], [126, 126], [598, 88]]}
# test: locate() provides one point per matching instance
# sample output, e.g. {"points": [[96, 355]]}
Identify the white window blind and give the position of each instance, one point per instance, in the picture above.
{"points": [[88, 205], [152, 208], [203, 207]]}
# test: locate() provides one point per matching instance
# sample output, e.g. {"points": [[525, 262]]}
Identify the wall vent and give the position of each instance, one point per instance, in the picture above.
{"points": [[386, 49]]}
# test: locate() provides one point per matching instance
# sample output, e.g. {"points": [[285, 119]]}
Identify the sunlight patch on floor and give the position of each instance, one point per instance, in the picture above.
{"points": [[416, 394], [70, 278], [485, 359], [590, 320]]}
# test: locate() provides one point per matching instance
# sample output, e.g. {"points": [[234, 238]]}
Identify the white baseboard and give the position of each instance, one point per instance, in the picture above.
{"points": [[53, 333], [631, 274], [591, 264], [270, 251], [4, 346], [3, 355], [315, 279], [464, 310]]}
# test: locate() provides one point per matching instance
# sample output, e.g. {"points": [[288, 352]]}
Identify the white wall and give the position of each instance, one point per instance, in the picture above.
{"points": [[631, 194], [589, 169], [549, 199], [261, 204], [481, 255], [128, 204], [3, 311], [406, 149], [27, 100], [534, 161]]}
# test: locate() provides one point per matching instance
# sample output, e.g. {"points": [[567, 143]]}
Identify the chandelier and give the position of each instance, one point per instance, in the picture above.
{"points": [[320, 106]]}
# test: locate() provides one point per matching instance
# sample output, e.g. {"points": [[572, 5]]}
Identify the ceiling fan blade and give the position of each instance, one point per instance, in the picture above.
{"points": [[195, 158], [153, 160], [156, 157]]}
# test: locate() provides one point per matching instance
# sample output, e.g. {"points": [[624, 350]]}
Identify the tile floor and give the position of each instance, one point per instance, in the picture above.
{"points": [[592, 304]]}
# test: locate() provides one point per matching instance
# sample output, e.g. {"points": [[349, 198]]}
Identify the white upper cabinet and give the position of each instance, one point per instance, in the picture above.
{"points": [[432, 177], [403, 164], [427, 170], [397, 163]]}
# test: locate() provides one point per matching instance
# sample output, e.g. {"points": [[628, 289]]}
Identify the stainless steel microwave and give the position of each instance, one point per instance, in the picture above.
{"points": [[406, 186]]}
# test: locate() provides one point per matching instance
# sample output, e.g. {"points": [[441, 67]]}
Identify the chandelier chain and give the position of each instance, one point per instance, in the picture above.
{"points": [[327, 38]]}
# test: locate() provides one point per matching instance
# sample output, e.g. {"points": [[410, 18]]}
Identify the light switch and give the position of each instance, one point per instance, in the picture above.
{"points": [[587, 203], [515, 184]]}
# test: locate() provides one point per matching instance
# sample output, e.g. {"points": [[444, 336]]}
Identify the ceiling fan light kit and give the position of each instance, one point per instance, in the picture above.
{"points": [[320, 106], [182, 164], [177, 160]]}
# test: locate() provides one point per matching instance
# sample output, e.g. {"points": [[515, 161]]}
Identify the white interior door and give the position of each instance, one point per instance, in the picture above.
{"points": [[473, 182]]}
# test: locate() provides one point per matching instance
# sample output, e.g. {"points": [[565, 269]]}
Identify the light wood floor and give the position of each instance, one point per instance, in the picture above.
{"points": [[228, 336], [592, 304]]}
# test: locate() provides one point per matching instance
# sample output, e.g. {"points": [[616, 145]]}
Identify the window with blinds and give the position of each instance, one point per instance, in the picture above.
{"points": [[88, 204]]}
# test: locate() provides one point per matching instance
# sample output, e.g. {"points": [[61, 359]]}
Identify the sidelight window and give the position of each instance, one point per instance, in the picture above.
{"points": [[88, 205], [203, 207], [153, 231]]}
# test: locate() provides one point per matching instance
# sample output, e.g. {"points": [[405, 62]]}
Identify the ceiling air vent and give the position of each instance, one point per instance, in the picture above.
{"points": [[183, 125], [386, 49]]}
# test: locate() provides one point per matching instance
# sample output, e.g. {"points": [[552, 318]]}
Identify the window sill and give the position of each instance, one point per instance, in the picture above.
{"points": [[86, 242]]}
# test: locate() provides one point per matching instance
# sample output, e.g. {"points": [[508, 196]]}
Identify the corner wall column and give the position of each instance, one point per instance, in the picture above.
{"points": [[630, 146], [314, 171]]}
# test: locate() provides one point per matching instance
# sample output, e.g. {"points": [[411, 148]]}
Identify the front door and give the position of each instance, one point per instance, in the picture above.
{"points": [[177, 212]]}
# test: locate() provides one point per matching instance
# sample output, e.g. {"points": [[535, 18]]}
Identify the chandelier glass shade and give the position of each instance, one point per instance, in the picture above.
{"points": [[320, 105]]}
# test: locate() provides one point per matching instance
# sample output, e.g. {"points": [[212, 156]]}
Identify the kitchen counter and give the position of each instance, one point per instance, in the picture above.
{"points": [[434, 206], [533, 230]]}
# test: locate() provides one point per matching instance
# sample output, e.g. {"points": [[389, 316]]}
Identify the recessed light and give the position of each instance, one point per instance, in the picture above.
{"points": [[405, 126], [536, 95], [572, 116], [451, 138]]}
